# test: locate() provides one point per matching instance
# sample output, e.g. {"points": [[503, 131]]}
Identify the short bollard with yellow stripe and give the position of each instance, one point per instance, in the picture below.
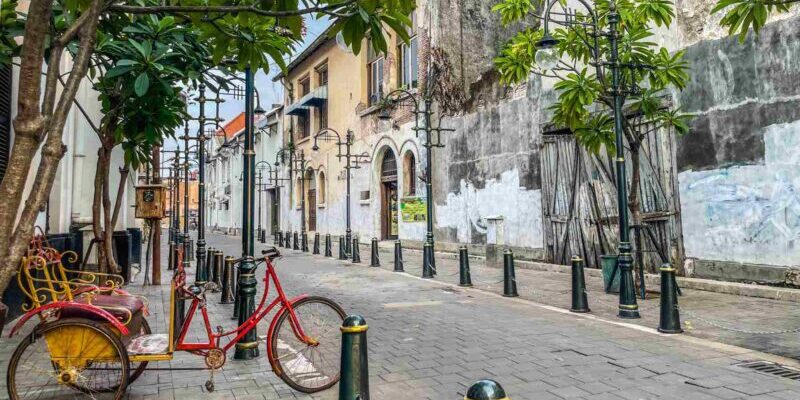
{"points": [[486, 389], [354, 367]]}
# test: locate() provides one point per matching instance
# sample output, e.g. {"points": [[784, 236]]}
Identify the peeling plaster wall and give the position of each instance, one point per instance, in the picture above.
{"points": [[466, 210], [739, 185], [492, 168], [748, 213]]}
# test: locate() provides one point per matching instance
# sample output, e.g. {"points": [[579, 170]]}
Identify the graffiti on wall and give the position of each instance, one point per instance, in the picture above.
{"points": [[748, 213]]}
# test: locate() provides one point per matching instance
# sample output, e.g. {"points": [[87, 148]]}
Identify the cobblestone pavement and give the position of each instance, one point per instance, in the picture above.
{"points": [[429, 340]]}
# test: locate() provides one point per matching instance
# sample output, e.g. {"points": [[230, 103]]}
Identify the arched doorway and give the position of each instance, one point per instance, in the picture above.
{"points": [[311, 200], [389, 204]]}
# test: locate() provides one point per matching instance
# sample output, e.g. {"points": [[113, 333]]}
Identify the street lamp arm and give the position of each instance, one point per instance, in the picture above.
{"points": [[397, 94], [326, 134]]}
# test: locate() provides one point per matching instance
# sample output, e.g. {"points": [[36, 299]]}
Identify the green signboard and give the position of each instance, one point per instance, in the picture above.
{"points": [[413, 209]]}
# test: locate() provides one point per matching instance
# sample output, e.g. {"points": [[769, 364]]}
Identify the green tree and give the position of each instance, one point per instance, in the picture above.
{"points": [[742, 15], [137, 64], [257, 33], [583, 84]]}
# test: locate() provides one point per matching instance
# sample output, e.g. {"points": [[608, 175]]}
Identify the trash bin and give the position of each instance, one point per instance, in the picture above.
{"points": [[608, 263], [122, 253], [136, 245]]}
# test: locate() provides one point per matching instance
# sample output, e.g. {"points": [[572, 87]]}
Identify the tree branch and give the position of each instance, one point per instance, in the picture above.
{"points": [[329, 9]]}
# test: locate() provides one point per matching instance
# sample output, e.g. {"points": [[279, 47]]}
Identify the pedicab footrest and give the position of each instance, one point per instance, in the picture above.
{"points": [[149, 344], [121, 307]]}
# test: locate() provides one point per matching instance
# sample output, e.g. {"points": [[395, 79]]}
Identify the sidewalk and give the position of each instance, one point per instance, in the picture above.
{"points": [[429, 339]]}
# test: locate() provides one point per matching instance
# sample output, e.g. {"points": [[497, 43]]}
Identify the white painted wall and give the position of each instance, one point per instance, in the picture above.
{"points": [[70, 198], [748, 213]]}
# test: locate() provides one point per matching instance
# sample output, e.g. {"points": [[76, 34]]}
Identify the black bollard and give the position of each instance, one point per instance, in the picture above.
{"points": [[509, 278], [580, 301], [227, 282], [236, 298], [190, 256], [328, 249], [464, 277], [342, 252], [427, 261], [171, 261], [398, 256], [486, 389], [276, 240], [296, 244], [216, 275], [287, 240], [304, 242], [354, 361], [176, 259], [315, 249], [670, 321], [355, 250], [375, 260], [209, 270]]}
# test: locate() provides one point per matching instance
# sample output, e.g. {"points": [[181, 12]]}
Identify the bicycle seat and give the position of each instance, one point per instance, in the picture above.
{"points": [[271, 253]]}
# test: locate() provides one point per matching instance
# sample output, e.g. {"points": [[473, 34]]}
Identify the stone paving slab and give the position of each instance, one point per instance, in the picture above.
{"points": [[429, 340], [721, 317]]}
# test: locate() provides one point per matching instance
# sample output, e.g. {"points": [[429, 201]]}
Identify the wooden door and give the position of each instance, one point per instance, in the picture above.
{"points": [[312, 210]]}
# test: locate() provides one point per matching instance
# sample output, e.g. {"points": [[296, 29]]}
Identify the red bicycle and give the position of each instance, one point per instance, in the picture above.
{"points": [[97, 342]]}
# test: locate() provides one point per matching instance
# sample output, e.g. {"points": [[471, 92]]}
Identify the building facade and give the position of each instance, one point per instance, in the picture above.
{"points": [[223, 203], [720, 202]]}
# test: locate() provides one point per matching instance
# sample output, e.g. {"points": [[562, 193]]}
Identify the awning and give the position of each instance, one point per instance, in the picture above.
{"points": [[316, 98]]}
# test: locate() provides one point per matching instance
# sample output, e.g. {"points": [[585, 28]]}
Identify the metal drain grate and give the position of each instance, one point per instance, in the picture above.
{"points": [[766, 367]]}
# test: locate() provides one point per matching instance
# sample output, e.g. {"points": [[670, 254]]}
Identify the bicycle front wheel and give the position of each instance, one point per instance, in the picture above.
{"points": [[309, 368]]}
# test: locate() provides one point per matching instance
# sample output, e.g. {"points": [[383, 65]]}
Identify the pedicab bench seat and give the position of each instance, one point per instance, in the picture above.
{"points": [[114, 304]]}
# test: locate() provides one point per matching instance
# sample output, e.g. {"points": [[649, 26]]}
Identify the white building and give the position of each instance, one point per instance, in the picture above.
{"points": [[224, 173]]}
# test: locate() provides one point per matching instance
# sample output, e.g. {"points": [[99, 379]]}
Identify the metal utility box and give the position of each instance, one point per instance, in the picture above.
{"points": [[151, 201]]}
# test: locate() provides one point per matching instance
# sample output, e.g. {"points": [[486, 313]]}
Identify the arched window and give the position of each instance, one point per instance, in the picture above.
{"points": [[321, 188], [409, 174], [388, 167]]}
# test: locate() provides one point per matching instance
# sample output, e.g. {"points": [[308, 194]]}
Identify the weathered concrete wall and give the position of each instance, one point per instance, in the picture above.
{"points": [[492, 168], [740, 190]]}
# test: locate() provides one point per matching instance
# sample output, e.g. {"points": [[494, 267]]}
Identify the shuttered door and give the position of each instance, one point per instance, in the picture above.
{"points": [[5, 117]]}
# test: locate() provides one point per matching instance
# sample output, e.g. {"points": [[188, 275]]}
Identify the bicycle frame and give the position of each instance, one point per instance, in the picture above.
{"points": [[214, 339]]}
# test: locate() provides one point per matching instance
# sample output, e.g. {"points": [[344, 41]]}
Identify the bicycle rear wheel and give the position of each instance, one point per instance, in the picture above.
{"points": [[309, 368], [68, 359]]}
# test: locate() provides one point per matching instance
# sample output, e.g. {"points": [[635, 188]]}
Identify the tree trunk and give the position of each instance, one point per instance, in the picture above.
{"points": [[108, 236], [97, 207], [123, 179], [31, 128]]}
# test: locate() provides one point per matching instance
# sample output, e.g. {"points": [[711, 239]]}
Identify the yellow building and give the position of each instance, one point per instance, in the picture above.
{"points": [[329, 92]]}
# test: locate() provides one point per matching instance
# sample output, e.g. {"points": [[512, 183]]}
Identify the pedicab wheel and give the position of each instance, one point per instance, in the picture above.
{"points": [[309, 368], [138, 368], [69, 358]]}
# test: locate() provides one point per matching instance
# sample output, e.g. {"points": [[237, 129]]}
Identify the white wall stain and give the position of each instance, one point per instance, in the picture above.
{"points": [[521, 208], [747, 214]]}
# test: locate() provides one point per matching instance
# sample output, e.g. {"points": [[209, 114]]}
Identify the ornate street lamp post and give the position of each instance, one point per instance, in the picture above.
{"points": [[352, 161], [261, 186], [547, 59], [433, 138], [247, 347]]}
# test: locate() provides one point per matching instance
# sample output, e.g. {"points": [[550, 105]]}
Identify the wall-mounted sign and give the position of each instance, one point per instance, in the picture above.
{"points": [[413, 209]]}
